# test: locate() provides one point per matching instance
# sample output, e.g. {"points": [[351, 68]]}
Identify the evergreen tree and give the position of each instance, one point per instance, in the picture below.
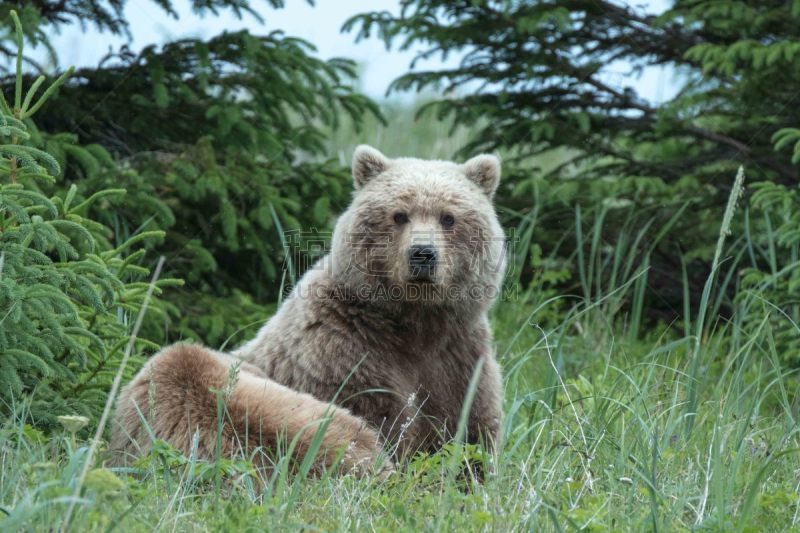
{"points": [[219, 142], [537, 79], [65, 291]]}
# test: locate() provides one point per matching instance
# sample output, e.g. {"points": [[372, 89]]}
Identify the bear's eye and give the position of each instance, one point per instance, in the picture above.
{"points": [[400, 218], [447, 220]]}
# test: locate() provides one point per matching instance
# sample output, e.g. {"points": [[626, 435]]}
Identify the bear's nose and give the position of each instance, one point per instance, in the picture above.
{"points": [[422, 254], [422, 259]]}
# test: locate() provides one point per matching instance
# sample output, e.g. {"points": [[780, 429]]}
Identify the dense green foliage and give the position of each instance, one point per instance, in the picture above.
{"points": [[220, 143]]}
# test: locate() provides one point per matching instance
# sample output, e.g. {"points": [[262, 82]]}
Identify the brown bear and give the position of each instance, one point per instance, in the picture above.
{"points": [[378, 341]]}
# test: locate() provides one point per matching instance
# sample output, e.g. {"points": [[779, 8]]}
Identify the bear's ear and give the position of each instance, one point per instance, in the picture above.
{"points": [[484, 171], [367, 163]]}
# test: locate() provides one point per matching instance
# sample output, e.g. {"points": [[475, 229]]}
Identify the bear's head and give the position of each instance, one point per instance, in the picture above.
{"points": [[421, 231]]}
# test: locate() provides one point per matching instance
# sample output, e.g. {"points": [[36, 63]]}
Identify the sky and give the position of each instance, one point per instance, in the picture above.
{"points": [[319, 24]]}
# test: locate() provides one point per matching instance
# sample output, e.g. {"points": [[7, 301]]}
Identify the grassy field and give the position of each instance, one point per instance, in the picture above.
{"points": [[599, 435], [609, 426]]}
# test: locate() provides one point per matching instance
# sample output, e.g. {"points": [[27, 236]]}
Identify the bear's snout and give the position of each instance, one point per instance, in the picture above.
{"points": [[422, 261]]}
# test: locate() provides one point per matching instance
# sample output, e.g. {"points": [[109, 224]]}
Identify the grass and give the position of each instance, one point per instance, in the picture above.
{"points": [[595, 439]]}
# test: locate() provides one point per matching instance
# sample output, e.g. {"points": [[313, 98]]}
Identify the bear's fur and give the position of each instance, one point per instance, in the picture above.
{"points": [[389, 326]]}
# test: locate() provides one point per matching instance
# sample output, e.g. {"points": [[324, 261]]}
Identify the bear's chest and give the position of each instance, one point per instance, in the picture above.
{"points": [[430, 381], [408, 379]]}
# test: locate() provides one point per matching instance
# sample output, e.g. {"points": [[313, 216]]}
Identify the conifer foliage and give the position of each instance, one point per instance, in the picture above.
{"points": [[65, 292], [555, 74], [218, 141], [552, 81]]}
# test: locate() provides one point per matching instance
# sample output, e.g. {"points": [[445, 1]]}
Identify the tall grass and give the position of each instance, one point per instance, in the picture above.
{"points": [[694, 376], [610, 453]]}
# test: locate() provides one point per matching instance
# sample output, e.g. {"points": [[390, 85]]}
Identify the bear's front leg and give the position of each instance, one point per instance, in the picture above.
{"points": [[486, 414]]}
